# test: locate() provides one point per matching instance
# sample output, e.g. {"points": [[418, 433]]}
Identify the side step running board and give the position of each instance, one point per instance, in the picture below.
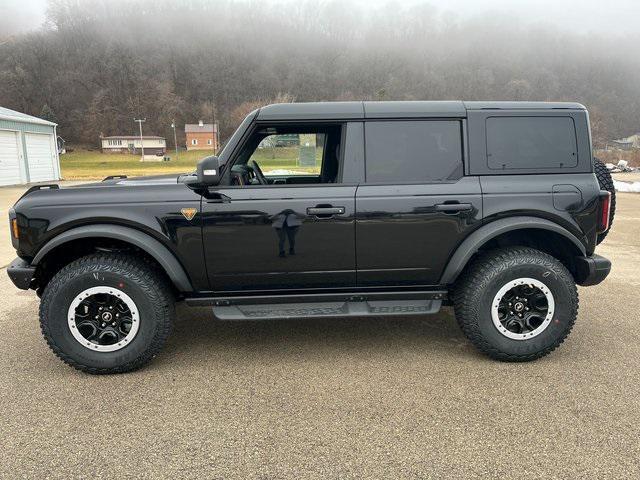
{"points": [[328, 309], [323, 305]]}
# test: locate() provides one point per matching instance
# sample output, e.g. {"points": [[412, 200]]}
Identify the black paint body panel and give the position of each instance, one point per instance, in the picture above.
{"points": [[401, 237], [241, 238], [540, 196], [151, 205]]}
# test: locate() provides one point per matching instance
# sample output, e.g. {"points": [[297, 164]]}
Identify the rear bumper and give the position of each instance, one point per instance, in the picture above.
{"points": [[591, 270], [21, 273]]}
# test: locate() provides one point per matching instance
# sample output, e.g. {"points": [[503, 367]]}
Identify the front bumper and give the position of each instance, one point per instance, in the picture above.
{"points": [[591, 270], [21, 273]]}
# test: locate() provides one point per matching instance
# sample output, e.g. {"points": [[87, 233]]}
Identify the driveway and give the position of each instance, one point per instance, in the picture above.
{"points": [[8, 196], [333, 398]]}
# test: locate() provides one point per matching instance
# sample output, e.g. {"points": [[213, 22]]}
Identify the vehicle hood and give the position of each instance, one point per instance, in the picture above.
{"points": [[132, 190], [170, 179]]}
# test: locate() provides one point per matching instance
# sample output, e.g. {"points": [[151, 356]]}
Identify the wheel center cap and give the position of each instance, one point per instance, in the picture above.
{"points": [[518, 307], [107, 316]]}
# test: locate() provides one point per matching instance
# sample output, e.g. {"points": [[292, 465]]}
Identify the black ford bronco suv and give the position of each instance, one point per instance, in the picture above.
{"points": [[331, 209]]}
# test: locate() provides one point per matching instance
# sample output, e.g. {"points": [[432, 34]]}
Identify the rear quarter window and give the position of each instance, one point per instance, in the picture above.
{"points": [[420, 151], [531, 143]]}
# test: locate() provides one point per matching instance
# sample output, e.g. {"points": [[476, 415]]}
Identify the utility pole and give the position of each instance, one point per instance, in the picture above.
{"points": [[175, 139], [216, 132], [216, 137], [140, 122]]}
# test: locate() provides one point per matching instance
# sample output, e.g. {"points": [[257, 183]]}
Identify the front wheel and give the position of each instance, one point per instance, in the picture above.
{"points": [[107, 313], [516, 304]]}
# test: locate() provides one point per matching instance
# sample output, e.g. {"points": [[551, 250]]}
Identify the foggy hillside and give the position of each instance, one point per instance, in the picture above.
{"points": [[96, 63]]}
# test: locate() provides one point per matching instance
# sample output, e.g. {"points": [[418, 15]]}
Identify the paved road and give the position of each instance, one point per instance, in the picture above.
{"points": [[399, 398]]}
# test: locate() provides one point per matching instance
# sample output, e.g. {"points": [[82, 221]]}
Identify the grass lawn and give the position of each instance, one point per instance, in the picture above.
{"points": [[93, 165], [86, 165]]}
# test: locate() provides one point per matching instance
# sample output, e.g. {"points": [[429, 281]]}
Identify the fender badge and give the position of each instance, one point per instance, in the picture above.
{"points": [[189, 213]]}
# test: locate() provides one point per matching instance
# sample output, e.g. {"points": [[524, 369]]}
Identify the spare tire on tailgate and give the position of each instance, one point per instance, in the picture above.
{"points": [[606, 183]]}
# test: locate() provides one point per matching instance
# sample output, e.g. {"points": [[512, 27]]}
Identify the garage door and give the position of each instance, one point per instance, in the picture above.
{"points": [[40, 157], [9, 158]]}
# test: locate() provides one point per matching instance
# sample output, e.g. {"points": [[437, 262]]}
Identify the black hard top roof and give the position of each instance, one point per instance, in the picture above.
{"points": [[403, 109], [524, 106]]}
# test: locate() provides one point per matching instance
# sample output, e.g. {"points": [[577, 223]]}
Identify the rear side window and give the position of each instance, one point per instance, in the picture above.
{"points": [[531, 143], [413, 152]]}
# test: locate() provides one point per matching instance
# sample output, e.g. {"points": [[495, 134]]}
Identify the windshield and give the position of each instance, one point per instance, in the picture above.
{"points": [[230, 144]]}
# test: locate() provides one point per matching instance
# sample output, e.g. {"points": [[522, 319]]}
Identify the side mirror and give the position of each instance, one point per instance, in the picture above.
{"points": [[208, 171]]}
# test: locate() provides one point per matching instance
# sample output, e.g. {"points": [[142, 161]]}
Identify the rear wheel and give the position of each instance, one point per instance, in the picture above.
{"points": [[606, 183], [107, 313], [516, 304]]}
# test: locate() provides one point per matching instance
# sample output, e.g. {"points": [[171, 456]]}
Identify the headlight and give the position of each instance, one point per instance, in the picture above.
{"points": [[14, 228]]}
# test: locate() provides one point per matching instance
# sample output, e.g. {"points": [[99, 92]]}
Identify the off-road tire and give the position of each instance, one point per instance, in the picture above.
{"points": [[606, 183], [141, 281], [475, 290]]}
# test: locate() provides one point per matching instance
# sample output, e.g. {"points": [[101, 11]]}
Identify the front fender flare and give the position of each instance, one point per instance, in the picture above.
{"points": [[482, 235], [145, 242]]}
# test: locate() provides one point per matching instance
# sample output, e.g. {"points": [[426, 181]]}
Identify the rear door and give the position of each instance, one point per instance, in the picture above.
{"points": [[416, 206]]}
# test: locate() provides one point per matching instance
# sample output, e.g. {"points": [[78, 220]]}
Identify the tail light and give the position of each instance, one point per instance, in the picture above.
{"points": [[604, 211]]}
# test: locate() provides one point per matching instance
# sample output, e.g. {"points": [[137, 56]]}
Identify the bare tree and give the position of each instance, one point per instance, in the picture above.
{"points": [[98, 63]]}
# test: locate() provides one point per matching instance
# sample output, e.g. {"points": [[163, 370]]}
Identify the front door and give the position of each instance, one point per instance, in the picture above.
{"points": [[285, 221]]}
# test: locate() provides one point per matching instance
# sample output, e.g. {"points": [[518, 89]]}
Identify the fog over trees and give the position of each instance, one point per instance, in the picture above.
{"points": [[97, 64]]}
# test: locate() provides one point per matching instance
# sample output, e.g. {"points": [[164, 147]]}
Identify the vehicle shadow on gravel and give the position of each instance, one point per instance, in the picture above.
{"points": [[198, 332]]}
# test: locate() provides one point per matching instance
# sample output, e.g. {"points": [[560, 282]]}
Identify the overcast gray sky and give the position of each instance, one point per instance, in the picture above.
{"points": [[614, 16]]}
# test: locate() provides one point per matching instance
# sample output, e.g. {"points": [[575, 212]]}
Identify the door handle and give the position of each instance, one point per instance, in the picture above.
{"points": [[325, 211], [453, 207]]}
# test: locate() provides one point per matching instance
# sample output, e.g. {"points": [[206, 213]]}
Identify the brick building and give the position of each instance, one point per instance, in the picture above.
{"points": [[201, 136]]}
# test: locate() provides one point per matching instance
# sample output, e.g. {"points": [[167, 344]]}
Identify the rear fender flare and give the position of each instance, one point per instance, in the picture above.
{"points": [[145, 242], [482, 235]]}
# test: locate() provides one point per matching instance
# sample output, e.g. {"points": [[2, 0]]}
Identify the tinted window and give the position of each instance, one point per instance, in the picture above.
{"points": [[531, 143], [417, 151]]}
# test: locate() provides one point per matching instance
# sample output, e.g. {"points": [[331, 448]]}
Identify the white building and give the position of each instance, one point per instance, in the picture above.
{"points": [[131, 144], [28, 150]]}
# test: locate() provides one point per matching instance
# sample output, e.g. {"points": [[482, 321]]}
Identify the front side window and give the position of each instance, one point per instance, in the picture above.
{"points": [[194, 141], [421, 151], [289, 155]]}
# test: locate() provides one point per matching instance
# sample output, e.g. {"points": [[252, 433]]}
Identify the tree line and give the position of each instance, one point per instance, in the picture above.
{"points": [[97, 64]]}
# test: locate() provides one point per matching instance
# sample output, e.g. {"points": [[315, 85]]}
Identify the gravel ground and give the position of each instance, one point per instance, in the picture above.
{"points": [[384, 398]]}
